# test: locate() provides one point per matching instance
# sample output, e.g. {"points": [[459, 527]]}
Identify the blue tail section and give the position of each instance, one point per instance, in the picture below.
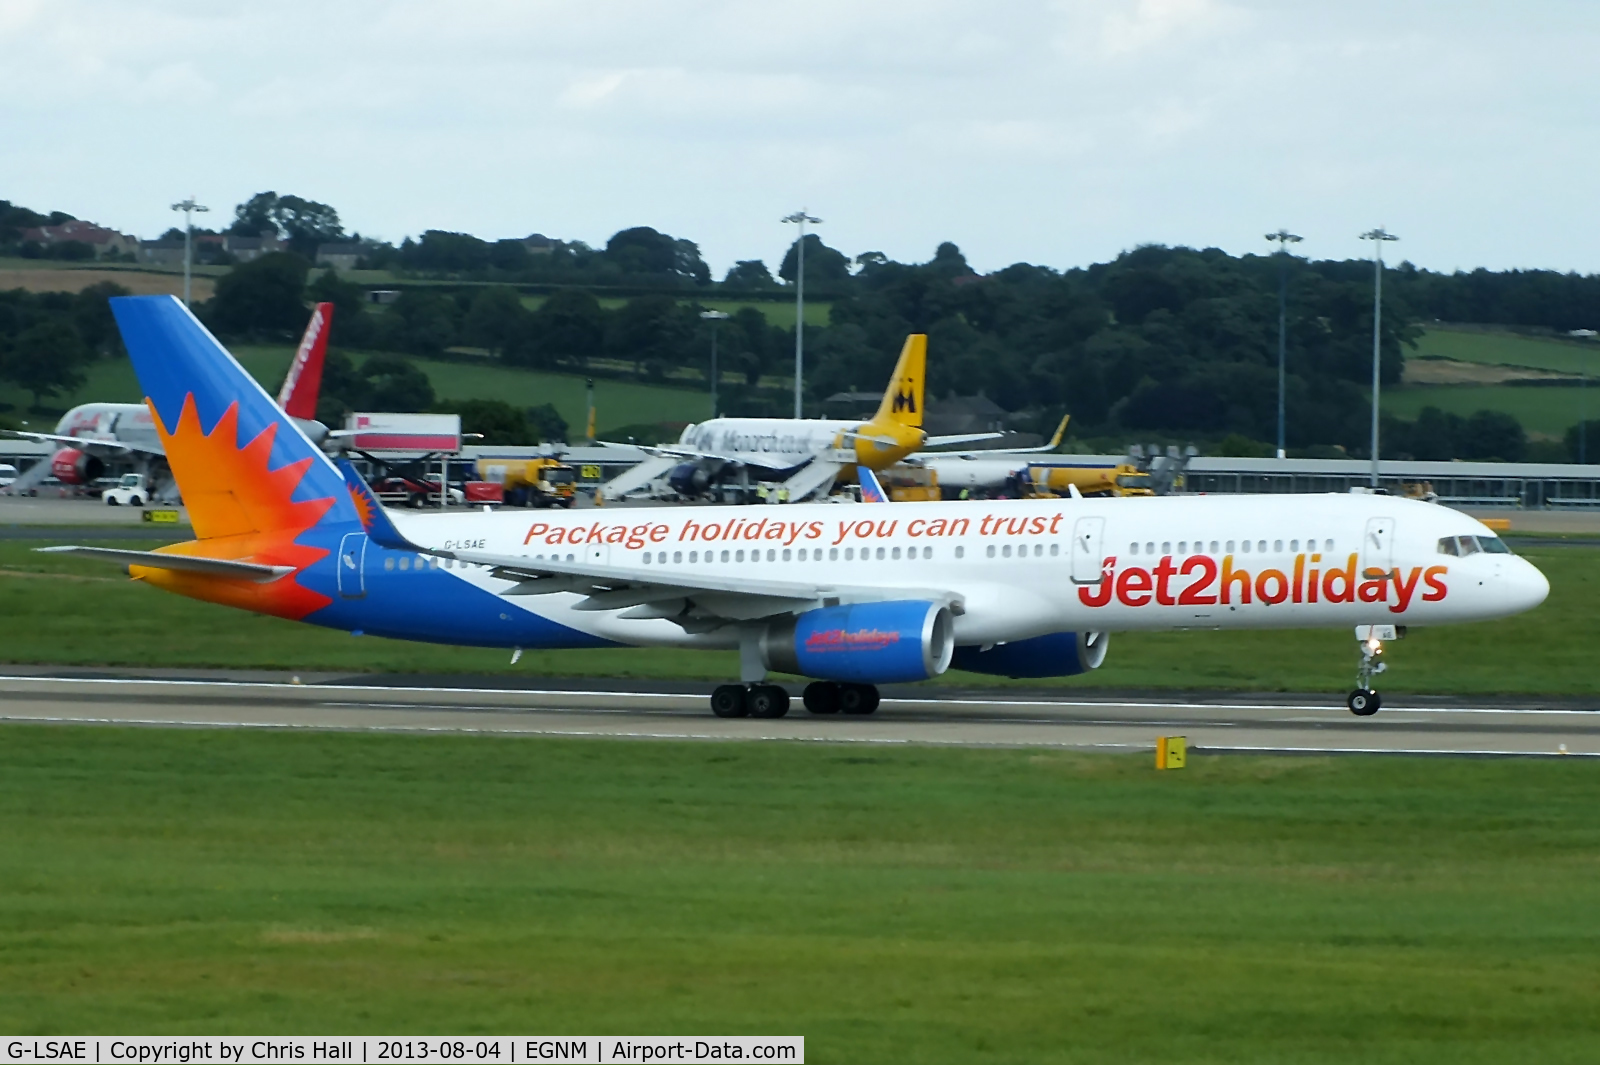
{"points": [[374, 519], [871, 490], [176, 358]]}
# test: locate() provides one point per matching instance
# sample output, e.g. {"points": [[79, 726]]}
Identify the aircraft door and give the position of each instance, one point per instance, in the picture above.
{"points": [[352, 565], [1377, 547], [1087, 559]]}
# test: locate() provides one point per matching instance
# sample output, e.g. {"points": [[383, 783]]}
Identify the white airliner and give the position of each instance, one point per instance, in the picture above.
{"points": [[850, 596], [804, 454], [98, 433]]}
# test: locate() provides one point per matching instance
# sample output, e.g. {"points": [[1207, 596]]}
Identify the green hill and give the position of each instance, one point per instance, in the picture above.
{"points": [[1507, 349], [618, 403]]}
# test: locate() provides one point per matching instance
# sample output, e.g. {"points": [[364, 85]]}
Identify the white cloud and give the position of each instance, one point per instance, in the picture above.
{"points": [[1055, 132]]}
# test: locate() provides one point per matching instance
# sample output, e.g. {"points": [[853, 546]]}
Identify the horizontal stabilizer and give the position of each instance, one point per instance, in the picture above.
{"points": [[211, 567]]}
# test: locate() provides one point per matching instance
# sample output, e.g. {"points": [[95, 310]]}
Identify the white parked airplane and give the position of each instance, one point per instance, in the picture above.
{"points": [[804, 454], [98, 433], [851, 596]]}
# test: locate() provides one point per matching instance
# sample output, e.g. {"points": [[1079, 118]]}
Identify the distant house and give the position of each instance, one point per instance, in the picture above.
{"points": [[245, 249], [161, 252], [104, 241], [383, 296], [339, 256]]}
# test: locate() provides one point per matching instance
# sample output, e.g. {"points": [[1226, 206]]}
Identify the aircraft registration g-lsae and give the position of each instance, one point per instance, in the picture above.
{"points": [[850, 596]]}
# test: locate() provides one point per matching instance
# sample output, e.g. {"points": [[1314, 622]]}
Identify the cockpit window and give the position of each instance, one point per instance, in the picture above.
{"points": [[1471, 545]]}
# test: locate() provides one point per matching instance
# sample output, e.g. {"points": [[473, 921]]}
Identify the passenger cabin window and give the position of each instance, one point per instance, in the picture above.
{"points": [[1133, 549]]}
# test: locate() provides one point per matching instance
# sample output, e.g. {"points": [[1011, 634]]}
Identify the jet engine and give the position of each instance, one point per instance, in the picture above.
{"points": [[863, 643], [689, 479], [1058, 654], [71, 466]]}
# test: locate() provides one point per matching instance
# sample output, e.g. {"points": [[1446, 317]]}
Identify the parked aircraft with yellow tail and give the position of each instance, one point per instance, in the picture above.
{"points": [[795, 458]]}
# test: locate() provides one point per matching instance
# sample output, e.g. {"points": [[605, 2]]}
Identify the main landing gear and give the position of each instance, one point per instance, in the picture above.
{"points": [[1364, 702], [770, 700]]}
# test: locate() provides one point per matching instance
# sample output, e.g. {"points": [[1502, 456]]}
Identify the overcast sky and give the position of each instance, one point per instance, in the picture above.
{"points": [[1056, 133]]}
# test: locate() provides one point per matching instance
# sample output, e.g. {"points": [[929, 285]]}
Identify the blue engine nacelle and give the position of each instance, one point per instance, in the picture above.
{"points": [[1058, 654], [864, 643], [689, 479]]}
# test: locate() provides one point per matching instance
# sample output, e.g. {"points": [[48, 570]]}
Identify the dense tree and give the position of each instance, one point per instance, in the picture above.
{"points": [[497, 320], [496, 421], [262, 297], [568, 329], [46, 358], [652, 332], [749, 274], [303, 223], [826, 268], [644, 251], [396, 384]]}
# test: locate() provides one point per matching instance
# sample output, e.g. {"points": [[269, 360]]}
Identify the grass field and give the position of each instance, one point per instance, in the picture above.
{"points": [[908, 906], [50, 603], [618, 402], [1548, 411], [1508, 349], [779, 313]]}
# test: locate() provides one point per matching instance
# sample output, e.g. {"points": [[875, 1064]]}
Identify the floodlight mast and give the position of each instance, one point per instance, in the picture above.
{"points": [[800, 218], [1284, 239], [1377, 236], [188, 207], [716, 318]]}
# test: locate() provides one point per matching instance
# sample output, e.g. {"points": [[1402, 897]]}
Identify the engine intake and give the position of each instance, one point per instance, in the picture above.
{"points": [[864, 643], [71, 466], [1058, 654]]}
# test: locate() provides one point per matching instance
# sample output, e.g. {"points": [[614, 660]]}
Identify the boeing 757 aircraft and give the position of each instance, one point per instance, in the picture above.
{"points": [[849, 596]]}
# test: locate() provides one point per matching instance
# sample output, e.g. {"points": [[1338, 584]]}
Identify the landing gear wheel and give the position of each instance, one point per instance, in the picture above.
{"points": [[728, 700], [767, 700], [1363, 702], [822, 697], [858, 698]]}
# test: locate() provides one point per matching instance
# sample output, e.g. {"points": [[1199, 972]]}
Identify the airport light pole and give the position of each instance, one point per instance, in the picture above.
{"points": [[1377, 236], [188, 207], [1284, 239], [800, 218], [716, 318]]}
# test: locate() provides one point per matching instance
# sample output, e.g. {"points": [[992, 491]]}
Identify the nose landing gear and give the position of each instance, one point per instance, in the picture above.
{"points": [[1364, 702]]}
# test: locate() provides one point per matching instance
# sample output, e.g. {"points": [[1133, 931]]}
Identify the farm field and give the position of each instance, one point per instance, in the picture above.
{"points": [[51, 601], [899, 905], [1544, 410], [618, 402], [40, 275], [1508, 349]]}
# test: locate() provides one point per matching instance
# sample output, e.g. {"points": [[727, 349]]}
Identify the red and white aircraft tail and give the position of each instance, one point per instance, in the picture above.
{"points": [[303, 383]]}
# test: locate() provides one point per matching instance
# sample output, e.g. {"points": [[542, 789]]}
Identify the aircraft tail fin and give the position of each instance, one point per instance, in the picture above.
{"points": [[871, 490], [302, 385], [242, 464], [902, 401]]}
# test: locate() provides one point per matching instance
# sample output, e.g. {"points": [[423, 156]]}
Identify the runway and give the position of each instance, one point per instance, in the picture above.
{"points": [[1004, 719]]}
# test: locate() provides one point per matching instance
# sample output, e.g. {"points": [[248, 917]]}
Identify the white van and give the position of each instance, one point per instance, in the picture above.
{"points": [[131, 491], [8, 473]]}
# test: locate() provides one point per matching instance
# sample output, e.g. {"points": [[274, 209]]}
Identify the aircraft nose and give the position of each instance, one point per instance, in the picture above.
{"points": [[1529, 586]]}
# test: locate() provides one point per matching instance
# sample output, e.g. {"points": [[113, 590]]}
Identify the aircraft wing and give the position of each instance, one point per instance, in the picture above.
{"points": [[211, 567], [115, 447], [1055, 442], [699, 601]]}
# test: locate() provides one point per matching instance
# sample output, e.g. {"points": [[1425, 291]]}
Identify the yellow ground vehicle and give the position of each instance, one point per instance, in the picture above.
{"points": [[1123, 479], [541, 482]]}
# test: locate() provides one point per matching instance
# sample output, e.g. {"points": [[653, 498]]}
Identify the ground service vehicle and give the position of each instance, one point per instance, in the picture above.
{"points": [[537, 482], [132, 490], [1124, 479], [850, 596]]}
